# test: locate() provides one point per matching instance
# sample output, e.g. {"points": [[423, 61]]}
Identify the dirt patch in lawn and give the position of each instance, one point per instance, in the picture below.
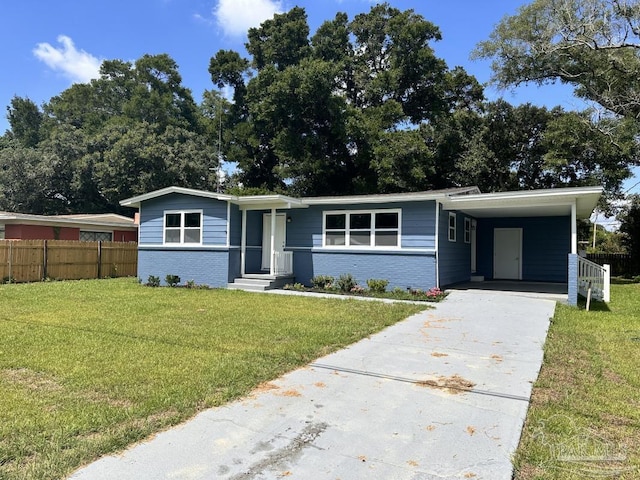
{"points": [[32, 380], [453, 384]]}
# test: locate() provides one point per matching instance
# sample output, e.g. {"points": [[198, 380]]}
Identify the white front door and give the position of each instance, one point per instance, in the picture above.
{"points": [[280, 237], [507, 253]]}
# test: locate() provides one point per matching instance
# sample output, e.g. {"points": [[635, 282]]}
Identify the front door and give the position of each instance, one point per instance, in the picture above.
{"points": [[507, 254], [280, 237]]}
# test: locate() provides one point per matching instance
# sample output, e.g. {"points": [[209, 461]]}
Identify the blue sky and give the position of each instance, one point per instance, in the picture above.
{"points": [[50, 45]]}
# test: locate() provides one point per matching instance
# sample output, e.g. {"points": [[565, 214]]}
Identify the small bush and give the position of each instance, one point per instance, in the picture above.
{"points": [[322, 281], [298, 287], [377, 285], [358, 289], [153, 281], [191, 284], [346, 282], [172, 280]]}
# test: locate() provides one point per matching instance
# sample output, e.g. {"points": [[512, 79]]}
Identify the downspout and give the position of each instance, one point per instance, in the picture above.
{"points": [[437, 243]]}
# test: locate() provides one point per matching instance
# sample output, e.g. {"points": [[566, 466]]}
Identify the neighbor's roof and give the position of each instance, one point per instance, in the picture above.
{"points": [[111, 220]]}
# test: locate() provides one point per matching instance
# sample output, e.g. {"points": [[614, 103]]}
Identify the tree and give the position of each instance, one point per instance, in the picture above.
{"points": [[25, 119], [317, 115], [593, 45], [630, 228]]}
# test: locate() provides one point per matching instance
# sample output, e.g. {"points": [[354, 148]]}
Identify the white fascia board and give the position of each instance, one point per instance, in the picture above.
{"points": [[349, 200], [135, 201], [266, 202]]}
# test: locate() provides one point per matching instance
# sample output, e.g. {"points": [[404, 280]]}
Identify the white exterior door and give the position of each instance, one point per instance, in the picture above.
{"points": [[280, 237], [507, 253]]}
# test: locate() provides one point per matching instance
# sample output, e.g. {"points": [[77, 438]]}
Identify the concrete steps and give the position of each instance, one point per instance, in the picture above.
{"points": [[259, 283]]}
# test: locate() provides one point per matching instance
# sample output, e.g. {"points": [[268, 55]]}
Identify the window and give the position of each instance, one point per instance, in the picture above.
{"points": [[87, 236], [467, 230], [1, 232], [362, 228], [452, 227], [183, 227]]}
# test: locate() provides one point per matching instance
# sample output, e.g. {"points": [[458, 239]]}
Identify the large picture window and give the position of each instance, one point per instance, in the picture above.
{"points": [[183, 227], [362, 228]]}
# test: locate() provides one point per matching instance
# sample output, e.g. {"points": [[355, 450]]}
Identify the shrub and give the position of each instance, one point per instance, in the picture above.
{"points": [[172, 280], [358, 289], [322, 281], [191, 284], [377, 285], [298, 287], [346, 282], [153, 281]]}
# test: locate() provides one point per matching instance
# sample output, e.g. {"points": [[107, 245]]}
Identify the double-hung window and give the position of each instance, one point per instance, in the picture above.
{"points": [[183, 227], [452, 227], [362, 228]]}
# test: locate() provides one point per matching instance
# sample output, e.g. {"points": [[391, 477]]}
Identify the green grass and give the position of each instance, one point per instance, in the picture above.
{"points": [[88, 367], [584, 419]]}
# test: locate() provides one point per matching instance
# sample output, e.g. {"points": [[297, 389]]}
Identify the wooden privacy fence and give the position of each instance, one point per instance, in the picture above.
{"points": [[622, 264], [35, 260]]}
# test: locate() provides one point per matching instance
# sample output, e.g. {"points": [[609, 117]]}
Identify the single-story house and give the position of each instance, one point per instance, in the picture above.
{"points": [[413, 240], [107, 227]]}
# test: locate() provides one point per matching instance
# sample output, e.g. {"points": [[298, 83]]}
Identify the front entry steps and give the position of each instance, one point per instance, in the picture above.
{"points": [[259, 283]]}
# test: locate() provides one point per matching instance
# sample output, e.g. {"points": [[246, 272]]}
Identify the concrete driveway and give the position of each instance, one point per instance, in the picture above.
{"points": [[443, 394]]}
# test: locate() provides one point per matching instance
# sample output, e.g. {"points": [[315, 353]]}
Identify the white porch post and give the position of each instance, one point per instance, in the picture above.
{"points": [[272, 256], [243, 243], [574, 229]]}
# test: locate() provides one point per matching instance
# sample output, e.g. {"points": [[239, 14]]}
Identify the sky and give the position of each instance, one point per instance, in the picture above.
{"points": [[49, 45]]}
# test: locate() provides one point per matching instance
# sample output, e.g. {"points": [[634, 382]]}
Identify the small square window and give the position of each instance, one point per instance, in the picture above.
{"points": [[452, 226]]}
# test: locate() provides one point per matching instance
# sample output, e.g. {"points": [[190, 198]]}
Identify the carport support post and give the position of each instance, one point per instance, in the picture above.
{"points": [[272, 256], [243, 243], [574, 229]]}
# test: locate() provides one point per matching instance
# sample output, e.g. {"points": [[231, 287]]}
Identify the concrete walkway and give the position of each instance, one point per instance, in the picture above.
{"points": [[443, 394]]}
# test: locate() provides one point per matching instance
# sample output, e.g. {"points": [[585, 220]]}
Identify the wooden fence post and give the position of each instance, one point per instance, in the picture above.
{"points": [[44, 261], [10, 261], [99, 259]]}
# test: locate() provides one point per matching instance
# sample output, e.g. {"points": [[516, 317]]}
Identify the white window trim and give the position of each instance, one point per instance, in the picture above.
{"points": [[182, 228], [453, 229], [373, 230], [467, 230]]}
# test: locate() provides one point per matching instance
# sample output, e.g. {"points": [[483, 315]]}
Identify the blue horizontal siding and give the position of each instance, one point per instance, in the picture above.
{"points": [[546, 243], [454, 258], [214, 230]]}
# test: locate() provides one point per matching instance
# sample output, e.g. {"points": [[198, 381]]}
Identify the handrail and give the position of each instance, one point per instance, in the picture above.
{"points": [[598, 278], [283, 264]]}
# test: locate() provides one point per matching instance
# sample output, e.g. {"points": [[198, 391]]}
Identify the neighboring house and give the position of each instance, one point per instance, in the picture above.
{"points": [[414, 240], [86, 227]]}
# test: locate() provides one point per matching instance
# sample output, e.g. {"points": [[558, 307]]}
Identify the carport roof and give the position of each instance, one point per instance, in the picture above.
{"points": [[527, 203]]}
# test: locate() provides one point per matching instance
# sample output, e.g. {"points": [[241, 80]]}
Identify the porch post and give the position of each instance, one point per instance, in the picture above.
{"points": [[272, 256], [243, 243], [574, 229]]}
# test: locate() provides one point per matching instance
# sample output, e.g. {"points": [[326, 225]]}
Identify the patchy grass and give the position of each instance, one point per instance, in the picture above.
{"points": [[88, 367], [584, 419]]}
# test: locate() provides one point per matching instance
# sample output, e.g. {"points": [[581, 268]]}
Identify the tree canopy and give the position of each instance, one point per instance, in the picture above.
{"points": [[593, 45], [361, 105]]}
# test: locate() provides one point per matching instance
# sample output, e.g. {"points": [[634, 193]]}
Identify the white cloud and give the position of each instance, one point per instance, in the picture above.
{"points": [[77, 65], [235, 17]]}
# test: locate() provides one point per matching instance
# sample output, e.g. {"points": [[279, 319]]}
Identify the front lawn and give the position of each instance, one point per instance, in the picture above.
{"points": [[89, 367], [584, 418]]}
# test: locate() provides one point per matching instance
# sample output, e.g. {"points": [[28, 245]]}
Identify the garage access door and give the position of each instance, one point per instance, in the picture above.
{"points": [[507, 254]]}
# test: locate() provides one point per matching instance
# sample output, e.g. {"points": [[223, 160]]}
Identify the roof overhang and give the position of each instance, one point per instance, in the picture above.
{"points": [[67, 221], [527, 203], [137, 200], [391, 197], [263, 202]]}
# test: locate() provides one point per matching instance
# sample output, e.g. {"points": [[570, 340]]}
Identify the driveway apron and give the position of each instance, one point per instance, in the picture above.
{"points": [[443, 394]]}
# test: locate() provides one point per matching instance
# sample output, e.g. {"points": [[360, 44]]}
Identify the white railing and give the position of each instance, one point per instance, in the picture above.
{"points": [[598, 278], [283, 263]]}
